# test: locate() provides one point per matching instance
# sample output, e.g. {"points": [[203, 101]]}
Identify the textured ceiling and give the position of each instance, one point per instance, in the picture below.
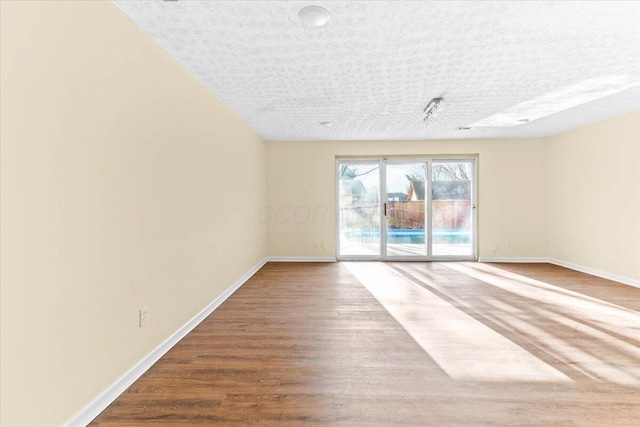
{"points": [[372, 69]]}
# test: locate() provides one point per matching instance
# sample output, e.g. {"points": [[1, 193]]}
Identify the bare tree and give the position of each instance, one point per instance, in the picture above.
{"points": [[350, 172], [451, 172]]}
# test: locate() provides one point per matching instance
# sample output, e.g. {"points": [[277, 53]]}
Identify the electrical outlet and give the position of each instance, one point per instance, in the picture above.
{"points": [[143, 316], [508, 242], [324, 245]]}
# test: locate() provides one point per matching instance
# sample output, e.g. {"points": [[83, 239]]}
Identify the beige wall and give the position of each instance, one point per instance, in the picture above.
{"points": [[580, 188], [512, 192], [125, 184], [594, 196]]}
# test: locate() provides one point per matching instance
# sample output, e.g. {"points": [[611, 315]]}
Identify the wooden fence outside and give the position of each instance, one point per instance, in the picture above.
{"points": [[447, 214]]}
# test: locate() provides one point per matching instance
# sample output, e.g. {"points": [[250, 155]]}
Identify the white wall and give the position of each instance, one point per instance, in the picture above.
{"points": [[124, 183], [594, 196], [512, 192]]}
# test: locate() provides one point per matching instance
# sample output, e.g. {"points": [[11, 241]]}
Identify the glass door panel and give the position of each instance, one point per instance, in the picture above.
{"points": [[405, 210], [359, 209], [452, 208]]}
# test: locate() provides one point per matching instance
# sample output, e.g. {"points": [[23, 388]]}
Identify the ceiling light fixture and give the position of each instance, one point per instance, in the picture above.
{"points": [[433, 108], [558, 100], [314, 16], [326, 124]]}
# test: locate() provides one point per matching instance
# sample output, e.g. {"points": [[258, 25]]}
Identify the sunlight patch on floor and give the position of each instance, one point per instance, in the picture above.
{"points": [[463, 347], [576, 317]]}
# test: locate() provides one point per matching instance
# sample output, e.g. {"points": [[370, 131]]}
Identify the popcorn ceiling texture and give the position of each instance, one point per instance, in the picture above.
{"points": [[373, 68]]}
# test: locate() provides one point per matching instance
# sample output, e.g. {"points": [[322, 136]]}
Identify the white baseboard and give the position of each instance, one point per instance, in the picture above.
{"points": [[301, 259], [513, 259], [593, 272], [100, 403]]}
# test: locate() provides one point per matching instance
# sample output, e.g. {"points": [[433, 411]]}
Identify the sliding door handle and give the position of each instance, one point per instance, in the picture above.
{"points": [[385, 208]]}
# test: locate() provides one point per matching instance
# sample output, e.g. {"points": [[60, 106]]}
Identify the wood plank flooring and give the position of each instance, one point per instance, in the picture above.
{"points": [[388, 344]]}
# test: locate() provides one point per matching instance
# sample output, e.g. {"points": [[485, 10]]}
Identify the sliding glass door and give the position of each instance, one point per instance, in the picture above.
{"points": [[359, 209], [452, 208], [406, 209], [405, 216]]}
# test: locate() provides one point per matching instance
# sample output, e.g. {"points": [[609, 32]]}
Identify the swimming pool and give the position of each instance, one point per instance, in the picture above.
{"points": [[410, 235]]}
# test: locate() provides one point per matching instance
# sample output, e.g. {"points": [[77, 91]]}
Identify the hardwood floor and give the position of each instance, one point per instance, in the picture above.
{"points": [[385, 344]]}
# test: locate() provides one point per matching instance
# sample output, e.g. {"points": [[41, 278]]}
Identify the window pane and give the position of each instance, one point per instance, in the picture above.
{"points": [[405, 210], [451, 208], [359, 203]]}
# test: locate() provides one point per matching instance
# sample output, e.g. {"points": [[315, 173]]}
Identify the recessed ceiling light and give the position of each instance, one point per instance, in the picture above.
{"points": [[314, 16], [558, 100], [326, 124], [464, 128]]}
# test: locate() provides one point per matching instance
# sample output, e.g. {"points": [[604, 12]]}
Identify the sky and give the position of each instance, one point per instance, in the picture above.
{"points": [[397, 181]]}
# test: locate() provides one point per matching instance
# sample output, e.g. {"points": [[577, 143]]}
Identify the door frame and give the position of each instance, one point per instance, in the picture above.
{"points": [[382, 197]]}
